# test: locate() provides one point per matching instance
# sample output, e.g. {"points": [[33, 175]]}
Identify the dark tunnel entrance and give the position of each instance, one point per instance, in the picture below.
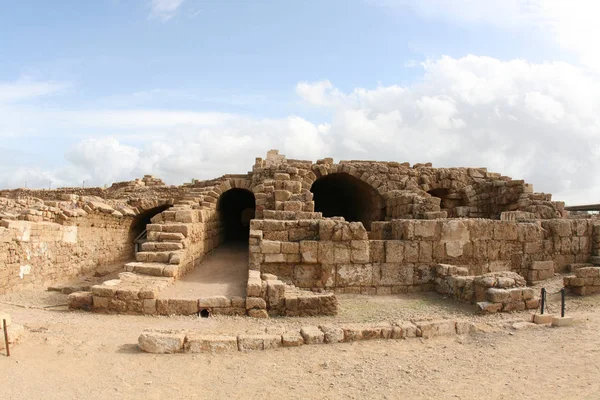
{"points": [[343, 195], [138, 227], [236, 209]]}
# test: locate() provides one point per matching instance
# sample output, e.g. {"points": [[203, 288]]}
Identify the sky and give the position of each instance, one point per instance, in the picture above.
{"points": [[101, 91]]}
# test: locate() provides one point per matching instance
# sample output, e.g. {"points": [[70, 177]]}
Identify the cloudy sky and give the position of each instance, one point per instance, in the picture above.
{"points": [[109, 90]]}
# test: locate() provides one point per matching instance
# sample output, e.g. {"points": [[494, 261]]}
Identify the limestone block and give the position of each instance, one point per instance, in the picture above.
{"points": [[540, 265], [455, 231], [542, 319], [100, 302], [354, 275], [255, 313], [271, 341], [309, 250], [437, 328], [454, 249], [312, 335], [325, 252], [487, 307], [250, 342], [395, 274], [495, 295], [256, 234], [587, 272], [290, 248], [196, 343], [270, 247], [333, 334], [425, 229], [80, 301], [292, 339], [293, 206], [214, 301], [255, 302], [532, 304], [280, 236], [160, 342], [326, 229], [149, 306], [177, 307], [377, 251], [394, 251], [275, 258], [282, 195], [359, 251], [341, 253], [5, 317]]}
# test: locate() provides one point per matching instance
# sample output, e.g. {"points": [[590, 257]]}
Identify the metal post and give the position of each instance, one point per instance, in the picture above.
{"points": [[543, 299], [562, 302], [6, 338]]}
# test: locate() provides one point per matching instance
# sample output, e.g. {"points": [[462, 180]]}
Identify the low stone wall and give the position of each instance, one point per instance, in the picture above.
{"points": [[584, 281], [400, 256], [174, 341]]}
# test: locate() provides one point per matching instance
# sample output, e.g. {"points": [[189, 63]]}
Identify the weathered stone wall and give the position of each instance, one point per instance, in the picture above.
{"points": [[34, 255], [400, 256]]}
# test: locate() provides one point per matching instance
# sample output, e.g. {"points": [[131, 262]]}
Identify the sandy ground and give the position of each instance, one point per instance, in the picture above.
{"points": [[224, 272], [73, 355]]}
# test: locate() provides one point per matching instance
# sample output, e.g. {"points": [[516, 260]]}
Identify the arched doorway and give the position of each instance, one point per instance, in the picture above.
{"points": [[137, 232], [236, 209], [343, 195]]}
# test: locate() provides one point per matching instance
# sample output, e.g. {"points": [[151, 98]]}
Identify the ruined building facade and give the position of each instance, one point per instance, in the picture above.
{"points": [[313, 230]]}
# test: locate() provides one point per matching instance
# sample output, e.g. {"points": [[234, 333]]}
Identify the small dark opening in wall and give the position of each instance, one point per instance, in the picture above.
{"points": [[204, 313], [448, 201]]}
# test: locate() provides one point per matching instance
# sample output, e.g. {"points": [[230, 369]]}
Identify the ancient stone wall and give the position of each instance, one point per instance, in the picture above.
{"points": [[34, 255], [400, 256]]}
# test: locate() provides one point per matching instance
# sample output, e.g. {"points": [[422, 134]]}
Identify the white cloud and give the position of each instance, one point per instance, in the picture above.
{"points": [[164, 9], [531, 121], [571, 24]]}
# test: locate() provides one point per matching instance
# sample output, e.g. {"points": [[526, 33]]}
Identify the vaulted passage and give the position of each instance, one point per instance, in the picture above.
{"points": [[342, 195], [236, 209], [137, 232]]}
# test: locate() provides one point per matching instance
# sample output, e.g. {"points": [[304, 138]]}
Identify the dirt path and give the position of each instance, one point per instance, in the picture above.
{"points": [[72, 355], [224, 272]]}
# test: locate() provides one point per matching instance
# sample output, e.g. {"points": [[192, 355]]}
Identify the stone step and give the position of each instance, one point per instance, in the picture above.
{"points": [[154, 256], [152, 269], [162, 246], [170, 237]]}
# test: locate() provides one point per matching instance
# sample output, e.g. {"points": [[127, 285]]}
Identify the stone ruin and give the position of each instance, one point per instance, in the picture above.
{"points": [[313, 230]]}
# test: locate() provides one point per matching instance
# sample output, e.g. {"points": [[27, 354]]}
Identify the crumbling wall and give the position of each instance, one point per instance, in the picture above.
{"points": [[34, 255], [400, 256]]}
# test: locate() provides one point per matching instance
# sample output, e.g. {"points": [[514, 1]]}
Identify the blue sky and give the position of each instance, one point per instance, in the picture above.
{"points": [[109, 90]]}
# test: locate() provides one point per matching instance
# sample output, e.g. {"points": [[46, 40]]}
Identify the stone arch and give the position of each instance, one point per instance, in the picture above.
{"points": [[236, 207], [340, 194], [144, 214]]}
